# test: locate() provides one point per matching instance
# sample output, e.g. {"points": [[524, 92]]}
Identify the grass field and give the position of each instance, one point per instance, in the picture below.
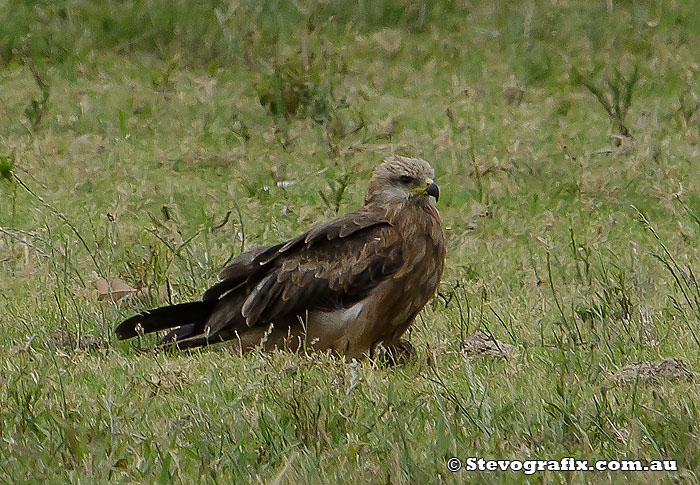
{"points": [[565, 139]]}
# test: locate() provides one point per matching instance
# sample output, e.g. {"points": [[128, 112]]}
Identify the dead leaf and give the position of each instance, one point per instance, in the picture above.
{"points": [[89, 342], [59, 339], [617, 140], [513, 95], [670, 369], [481, 344], [389, 40], [162, 291], [114, 289], [62, 339]]}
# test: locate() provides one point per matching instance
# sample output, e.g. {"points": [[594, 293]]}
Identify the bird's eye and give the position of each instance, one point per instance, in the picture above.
{"points": [[405, 179]]}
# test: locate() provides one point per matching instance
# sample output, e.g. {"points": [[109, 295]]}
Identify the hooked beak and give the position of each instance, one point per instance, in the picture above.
{"points": [[432, 189]]}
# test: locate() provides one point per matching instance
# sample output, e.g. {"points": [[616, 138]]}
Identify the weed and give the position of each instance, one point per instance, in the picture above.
{"points": [[37, 108], [689, 108], [617, 100], [300, 88], [7, 164], [337, 191], [160, 77]]}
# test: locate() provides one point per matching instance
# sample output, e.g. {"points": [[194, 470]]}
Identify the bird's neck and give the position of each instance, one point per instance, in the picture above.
{"points": [[410, 211]]}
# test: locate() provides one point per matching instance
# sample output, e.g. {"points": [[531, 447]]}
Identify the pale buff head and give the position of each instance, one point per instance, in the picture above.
{"points": [[401, 178]]}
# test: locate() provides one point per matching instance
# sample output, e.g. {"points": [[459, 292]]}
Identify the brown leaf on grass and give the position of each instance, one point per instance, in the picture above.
{"points": [[481, 344], [88, 342], [514, 147], [513, 95], [62, 339], [670, 369], [59, 339], [114, 289], [389, 40]]}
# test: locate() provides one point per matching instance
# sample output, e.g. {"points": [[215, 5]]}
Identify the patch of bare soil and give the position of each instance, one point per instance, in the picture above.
{"points": [[481, 344], [670, 369], [61, 339]]}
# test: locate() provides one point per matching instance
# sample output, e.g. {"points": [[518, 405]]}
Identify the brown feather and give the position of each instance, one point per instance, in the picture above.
{"points": [[347, 284]]}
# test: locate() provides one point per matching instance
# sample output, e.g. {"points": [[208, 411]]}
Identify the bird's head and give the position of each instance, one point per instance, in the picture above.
{"points": [[402, 178]]}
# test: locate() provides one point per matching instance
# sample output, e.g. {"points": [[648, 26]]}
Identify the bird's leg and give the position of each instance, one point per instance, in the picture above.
{"points": [[399, 351], [372, 352]]}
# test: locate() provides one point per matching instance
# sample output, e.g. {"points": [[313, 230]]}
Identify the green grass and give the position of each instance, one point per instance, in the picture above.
{"points": [[156, 119]]}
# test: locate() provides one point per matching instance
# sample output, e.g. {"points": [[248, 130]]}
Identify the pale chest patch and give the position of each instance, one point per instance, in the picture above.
{"points": [[351, 313], [338, 320]]}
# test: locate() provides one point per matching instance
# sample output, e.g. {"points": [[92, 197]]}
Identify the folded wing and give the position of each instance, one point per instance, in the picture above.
{"points": [[329, 267]]}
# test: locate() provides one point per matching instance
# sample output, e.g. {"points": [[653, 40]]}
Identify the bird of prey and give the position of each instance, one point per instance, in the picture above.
{"points": [[346, 285]]}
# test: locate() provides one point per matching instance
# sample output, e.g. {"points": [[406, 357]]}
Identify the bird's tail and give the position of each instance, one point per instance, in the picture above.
{"points": [[190, 315]]}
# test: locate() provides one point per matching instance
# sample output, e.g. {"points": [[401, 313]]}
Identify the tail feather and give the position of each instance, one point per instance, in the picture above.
{"points": [[180, 333], [166, 317], [182, 342], [186, 337]]}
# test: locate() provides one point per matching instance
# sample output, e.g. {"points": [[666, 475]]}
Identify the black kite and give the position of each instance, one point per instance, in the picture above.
{"points": [[345, 285]]}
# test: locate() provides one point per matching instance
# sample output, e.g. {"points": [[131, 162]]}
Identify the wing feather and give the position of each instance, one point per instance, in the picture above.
{"points": [[333, 274], [236, 274], [329, 267]]}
